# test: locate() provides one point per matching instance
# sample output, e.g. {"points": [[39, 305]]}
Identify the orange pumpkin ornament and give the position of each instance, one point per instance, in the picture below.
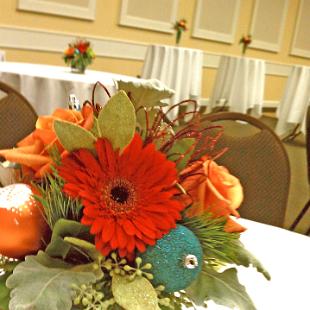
{"points": [[21, 223]]}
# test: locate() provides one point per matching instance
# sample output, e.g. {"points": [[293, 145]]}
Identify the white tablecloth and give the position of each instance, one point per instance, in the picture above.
{"points": [[48, 87], [293, 106], [2, 55], [240, 81], [286, 255], [178, 68]]}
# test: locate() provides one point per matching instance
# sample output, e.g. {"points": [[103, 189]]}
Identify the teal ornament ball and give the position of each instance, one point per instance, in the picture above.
{"points": [[176, 259]]}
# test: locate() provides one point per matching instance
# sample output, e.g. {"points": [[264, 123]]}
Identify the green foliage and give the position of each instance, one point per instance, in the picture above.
{"points": [[4, 291], [117, 120], [220, 246], [58, 247], [34, 286], [55, 203], [73, 137], [182, 148], [138, 294], [222, 287], [215, 242], [241, 256], [147, 94]]}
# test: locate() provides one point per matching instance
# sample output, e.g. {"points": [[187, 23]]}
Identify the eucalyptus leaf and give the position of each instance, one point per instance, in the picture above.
{"points": [[35, 286], [243, 257], [223, 288], [146, 93], [138, 294], [65, 228], [73, 137], [117, 120], [184, 147], [4, 292], [88, 247]]}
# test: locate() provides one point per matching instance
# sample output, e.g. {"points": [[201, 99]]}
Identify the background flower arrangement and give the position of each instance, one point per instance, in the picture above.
{"points": [[79, 55], [180, 26], [130, 212], [245, 41]]}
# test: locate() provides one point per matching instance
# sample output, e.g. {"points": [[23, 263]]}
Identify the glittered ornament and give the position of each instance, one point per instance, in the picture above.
{"points": [[176, 259], [21, 222]]}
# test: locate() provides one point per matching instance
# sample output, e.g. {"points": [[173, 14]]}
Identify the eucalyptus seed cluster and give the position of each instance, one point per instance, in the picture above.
{"points": [[119, 266], [90, 298]]}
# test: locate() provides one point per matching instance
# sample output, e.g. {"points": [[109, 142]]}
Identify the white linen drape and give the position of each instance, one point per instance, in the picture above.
{"points": [[178, 68], [295, 100], [240, 81]]}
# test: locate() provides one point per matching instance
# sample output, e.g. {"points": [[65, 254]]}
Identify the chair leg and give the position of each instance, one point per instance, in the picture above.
{"points": [[300, 216]]}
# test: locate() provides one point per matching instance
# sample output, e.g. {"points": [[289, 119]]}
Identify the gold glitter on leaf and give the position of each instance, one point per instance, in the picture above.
{"points": [[138, 294]]}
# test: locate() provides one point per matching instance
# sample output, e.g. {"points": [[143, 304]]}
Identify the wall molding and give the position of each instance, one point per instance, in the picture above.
{"points": [[294, 49], [265, 45], [206, 34], [52, 41], [146, 23], [56, 8]]}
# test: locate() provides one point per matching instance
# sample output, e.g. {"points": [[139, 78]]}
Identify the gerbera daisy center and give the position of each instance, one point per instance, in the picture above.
{"points": [[120, 196]]}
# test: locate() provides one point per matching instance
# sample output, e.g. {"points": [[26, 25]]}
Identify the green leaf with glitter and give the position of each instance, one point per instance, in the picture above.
{"points": [[73, 137], [138, 294], [117, 120], [146, 93], [223, 288], [182, 151], [35, 286], [4, 292]]}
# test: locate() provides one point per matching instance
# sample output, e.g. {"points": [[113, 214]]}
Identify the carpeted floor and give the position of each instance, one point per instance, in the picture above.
{"points": [[299, 188]]}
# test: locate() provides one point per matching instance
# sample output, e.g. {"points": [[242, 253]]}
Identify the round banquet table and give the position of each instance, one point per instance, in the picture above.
{"points": [[177, 67], [48, 87], [240, 81], [293, 106], [286, 256]]}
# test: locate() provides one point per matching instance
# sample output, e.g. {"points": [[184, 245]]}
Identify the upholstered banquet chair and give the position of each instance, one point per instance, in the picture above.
{"points": [[257, 157], [306, 208], [17, 116]]}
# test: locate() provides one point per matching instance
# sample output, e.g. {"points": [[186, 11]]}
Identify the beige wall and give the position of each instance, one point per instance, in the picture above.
{"points": [[106, 25]]}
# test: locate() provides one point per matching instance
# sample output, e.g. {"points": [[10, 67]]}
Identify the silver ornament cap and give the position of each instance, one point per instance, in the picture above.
{"points": [[190, 261]]}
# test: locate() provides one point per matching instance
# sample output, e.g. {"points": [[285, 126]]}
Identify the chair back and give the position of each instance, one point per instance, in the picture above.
{"points": [[17, 117], [259, 160]]}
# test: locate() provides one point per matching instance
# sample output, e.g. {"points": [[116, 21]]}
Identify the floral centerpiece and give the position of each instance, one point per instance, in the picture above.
{"points": [[245, 41], [120, 209], [79, 55], [180, 26]]}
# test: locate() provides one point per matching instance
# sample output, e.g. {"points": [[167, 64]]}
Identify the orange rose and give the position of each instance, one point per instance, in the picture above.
{"points": [[213, 189], [33, 151]]}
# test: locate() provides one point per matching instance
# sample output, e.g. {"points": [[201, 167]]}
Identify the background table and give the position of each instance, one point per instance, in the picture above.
{"points": [[240, 81], [293, 106], [48, 87], [178, 68], [286, 255]]}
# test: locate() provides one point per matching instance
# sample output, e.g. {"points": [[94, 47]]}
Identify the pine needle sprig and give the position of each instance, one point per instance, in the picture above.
{"points": [[55, 203], [215, 241]]}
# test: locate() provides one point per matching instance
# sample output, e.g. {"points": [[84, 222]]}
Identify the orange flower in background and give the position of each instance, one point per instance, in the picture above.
{"points": [[213, 189], [33, 151], [128, 198], [69, 51]]}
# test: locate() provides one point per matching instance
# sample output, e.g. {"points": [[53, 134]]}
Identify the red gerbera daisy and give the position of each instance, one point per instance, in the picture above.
{"points": [[128, 198]]}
